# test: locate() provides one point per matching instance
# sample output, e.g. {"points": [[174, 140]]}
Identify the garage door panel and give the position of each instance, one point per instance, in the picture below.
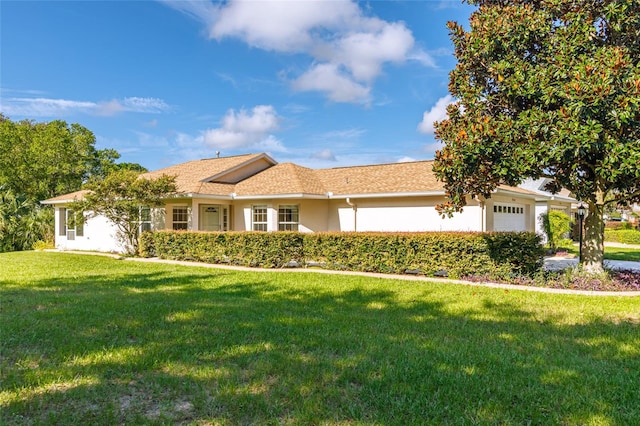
{"points": [[509, 217]]}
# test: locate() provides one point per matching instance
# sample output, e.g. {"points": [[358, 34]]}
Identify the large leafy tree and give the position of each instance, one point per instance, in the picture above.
{"points": [[546, 88], [39, 161], [120, 196], [42, 160]]}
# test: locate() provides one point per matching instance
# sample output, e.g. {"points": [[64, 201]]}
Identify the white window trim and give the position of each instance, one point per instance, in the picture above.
{"points": [[174, 222], [142, 220], [286, 224], [266, 217]]}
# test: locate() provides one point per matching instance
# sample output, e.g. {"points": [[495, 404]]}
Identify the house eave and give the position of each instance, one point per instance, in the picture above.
{"points": [[46, 202], [279, 196], [386, 195], [511, 193], [217, 176]]}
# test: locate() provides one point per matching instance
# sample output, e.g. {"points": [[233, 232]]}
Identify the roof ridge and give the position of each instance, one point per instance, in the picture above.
{"points": [[397, 163]]}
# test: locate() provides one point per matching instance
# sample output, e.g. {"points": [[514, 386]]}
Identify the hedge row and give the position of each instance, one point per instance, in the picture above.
{"points": [[496, 255], [617, 225], [626, 236]]}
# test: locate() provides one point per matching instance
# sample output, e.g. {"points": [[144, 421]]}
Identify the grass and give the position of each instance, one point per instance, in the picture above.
{"points": [[94, 340], [613, 253]]}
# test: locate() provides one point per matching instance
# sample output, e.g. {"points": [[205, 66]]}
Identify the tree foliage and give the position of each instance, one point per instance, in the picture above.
{"points": [[546, 88], [119, 197], [22, 222], [556, 225], [40, 161]]}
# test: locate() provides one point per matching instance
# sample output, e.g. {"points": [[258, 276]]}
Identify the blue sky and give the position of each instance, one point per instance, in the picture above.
{"points": [[318, 83]]}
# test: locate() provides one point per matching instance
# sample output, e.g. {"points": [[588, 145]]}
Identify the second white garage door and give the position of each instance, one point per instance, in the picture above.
{"points": [[509, 217]]}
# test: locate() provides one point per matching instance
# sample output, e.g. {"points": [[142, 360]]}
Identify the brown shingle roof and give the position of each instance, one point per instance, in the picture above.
{"points": [[408, 177], [259, 175], [193, 176], [73, 196], [284, 178]]}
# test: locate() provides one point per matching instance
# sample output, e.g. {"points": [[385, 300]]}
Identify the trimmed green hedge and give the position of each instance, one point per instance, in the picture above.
{"points": [[625, 236], [277, 250], [496, 255]]}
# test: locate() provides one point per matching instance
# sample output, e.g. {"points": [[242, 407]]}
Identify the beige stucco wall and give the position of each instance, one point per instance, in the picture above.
{"points": [[313, 214], [402, 214]]}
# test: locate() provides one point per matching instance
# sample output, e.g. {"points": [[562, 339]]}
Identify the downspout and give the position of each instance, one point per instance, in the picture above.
{"points": [[483, 215], [355, 214]]}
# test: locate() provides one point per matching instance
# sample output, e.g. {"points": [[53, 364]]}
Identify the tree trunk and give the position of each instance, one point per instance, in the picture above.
{"points": [[593, 241]]}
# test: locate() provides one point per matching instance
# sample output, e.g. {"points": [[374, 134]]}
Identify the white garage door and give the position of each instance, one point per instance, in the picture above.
{"points": [[509, 217]]}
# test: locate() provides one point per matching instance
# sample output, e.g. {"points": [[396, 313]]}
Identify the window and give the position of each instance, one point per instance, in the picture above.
{"points": [[62, 227], [71, 224], [259, 218], [180, 218], [225, 219], [508, 209], [288, 218], [145, 219]]}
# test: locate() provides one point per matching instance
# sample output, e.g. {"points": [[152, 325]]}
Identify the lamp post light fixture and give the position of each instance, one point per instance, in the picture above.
{"points": [[581, 212]]}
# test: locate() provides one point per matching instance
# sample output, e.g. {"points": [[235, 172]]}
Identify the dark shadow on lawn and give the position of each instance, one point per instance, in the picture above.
{"points": [[243, 348]]}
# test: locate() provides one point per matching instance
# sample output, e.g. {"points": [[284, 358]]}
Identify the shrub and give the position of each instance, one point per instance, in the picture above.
{"points": [[556, 226], [625, 236], [267, 250], [43, 245], [455, 255], [617, 225]]}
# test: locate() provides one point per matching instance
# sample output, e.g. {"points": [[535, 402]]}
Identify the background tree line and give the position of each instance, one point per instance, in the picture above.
{"points": [[40, 161]]}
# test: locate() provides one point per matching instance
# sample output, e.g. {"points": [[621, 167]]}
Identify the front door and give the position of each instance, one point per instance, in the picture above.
{"points": [[209, 217]]}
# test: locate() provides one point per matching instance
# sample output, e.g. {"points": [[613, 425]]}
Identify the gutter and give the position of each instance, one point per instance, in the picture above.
{"points": [[331, 195]]}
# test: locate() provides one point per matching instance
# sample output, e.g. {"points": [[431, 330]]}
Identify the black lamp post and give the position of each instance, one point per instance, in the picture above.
{"points": [[581, 212]]}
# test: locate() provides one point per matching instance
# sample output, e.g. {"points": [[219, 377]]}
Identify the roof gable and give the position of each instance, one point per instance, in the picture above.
{"points": [[214, 174], [284, 178]]}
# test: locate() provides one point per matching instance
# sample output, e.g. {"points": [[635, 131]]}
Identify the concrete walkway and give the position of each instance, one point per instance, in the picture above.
{"points": [[560, 263], [550, 261]]}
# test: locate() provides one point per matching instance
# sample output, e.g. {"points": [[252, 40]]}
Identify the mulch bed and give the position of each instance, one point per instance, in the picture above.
{"points": [[613, 280]]}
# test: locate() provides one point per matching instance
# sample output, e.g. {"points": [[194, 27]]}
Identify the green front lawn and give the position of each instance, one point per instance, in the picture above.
{"points": [[94, 340], [613, 253]]}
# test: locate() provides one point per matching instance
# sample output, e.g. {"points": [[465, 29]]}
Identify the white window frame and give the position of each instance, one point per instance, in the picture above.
{"points": [[144, 219], [70, 217], [288, 217], [260, 217], [182, 223], [225, 218]]}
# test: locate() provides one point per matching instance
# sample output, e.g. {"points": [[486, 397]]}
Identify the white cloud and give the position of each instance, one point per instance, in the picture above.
{"points": [[47, 107], [336, 85], [151, 105], [346, 134], [406, 160], [43, 107], [347, 48], [437, 113], [203, 11], [282, 26], [431, 148], [245, 128], [326, 155], [363, 53]]}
